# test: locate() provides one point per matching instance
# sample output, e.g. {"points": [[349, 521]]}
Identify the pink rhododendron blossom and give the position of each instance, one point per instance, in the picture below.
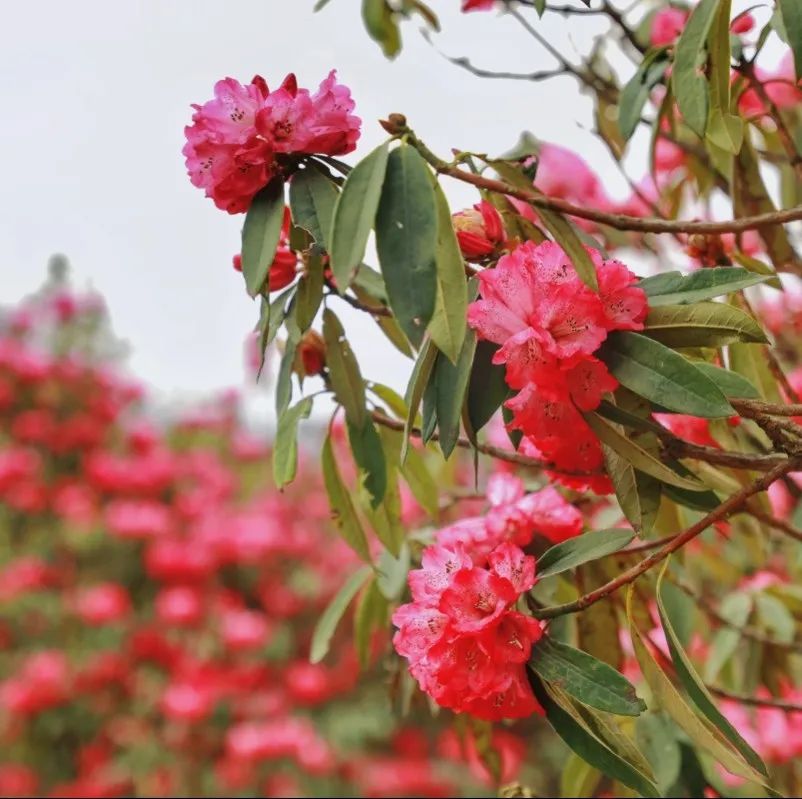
{"points": [[480, 230], [466, 646], [478, 5], [548, 324], [667, 25], [780, 85], [236, 140]]}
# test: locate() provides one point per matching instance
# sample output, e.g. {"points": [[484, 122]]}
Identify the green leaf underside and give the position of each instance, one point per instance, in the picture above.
{"points": [[260, 234], [576, 551], [674, 288], [285, 448]]}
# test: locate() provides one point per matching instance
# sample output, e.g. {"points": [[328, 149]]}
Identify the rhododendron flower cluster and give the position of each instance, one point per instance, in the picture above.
{"points": [[237, 141], [548, 325], [466, 646]]}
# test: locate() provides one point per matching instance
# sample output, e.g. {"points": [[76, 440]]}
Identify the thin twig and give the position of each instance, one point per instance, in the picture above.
{"points": [[730, 505], [756, 701], [374, 310]]}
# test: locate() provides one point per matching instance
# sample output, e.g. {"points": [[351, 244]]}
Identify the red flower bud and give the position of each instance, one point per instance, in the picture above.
{"points": [[480, 230]]}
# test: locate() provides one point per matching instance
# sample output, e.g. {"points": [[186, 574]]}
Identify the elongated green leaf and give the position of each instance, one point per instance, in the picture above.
{"points": [[392, 572], [731, 383], [661, 375], [354, 215], [590, 747], [658, 742], [342, 507], [420, 378], [260, 234], [703, 324], [791, 12], [688, 79], [327, 623], [420, 481], [585, 678], [487, 388], [393, 400], [750, 363], [312, 200], [406, 240], [369, 456], [285, 447], [699, 730], [284, 379], [724, 129], [447, 327], [310, 292], [736, 609], [586, 547], [635, 94], [639, 458], [370, 615], [451, 384], [370, 283], [346, 379], [674, 288], [388, 325]]}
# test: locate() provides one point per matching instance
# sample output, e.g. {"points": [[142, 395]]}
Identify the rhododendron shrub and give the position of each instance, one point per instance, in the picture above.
{"points": [[604, 358]]}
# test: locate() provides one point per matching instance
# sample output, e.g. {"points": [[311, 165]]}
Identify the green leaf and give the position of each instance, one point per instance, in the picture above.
{"points": [[271, 317], [661, 375], [370, 615], [327, 623], [369, 456], [736, 609], [310, 292], [354, 215], [704, 324], [391, 399], [635, 454], [260, 234], [380, 23], [419, 379], [421, 482], [724, 129], [674, 288], [688, 81], [312, 200], [346, 379], [406, 240], [585, 678], [371, 283], [487, 388], [635, 94], [578, 777], [701, 732], [342, 507], [750, 363], [447, 327], [392, 573], [731, 383], [569, 726], [451, 385], [657, 741], [285, 447], [586, 547], [792, 20], [388, 325], [284, 379]]}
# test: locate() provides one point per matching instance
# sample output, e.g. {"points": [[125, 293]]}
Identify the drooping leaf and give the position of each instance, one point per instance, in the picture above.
{"points": [[447, 327], [635, 94], [342, 507], [420, 481], [285, 447], [387, 324], [370, 615], [327, 623], [640, 458], [636, 496], [451, 385], [418, 381], [406, 240], [354, 215], [724, 129], [346, 379], [736, 609], [750, 363], [310, 292], [688, 80], [663, 376], [284, 379], [260, 234], [589, 746], [586, 547], [487, 388], [791, 12], [674, 288], [392, 572], [658, 742], [393, 400], [703, 324], [585, 678], [312, 200], [368, 453], [699, 730]]}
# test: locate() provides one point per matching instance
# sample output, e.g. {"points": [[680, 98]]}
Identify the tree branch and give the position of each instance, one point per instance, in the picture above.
{"points": [[788, 707], [735, 502]]}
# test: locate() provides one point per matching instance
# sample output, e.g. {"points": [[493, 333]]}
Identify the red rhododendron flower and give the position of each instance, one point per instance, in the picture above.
{"points": [[235, 138], [478, 5], [102, 604], [667, 25], [465, 644], [480, 230], [548, 324]]}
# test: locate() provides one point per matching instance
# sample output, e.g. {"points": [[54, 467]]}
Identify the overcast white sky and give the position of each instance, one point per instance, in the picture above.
{"points": [[96, 95]]}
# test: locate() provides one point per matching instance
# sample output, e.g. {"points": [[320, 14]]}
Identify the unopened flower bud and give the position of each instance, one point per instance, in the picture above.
{"points": [[311, 357], [480, 230]]}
